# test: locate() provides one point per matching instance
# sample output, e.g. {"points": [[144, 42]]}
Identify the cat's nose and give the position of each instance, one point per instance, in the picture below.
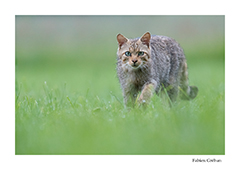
{"points": [[134, 61]]}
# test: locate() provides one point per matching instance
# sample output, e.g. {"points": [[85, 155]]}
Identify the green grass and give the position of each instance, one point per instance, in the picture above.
{"points": [[74, 106]]}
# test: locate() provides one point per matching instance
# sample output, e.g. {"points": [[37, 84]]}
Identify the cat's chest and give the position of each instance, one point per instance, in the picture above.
{"points": [[137, 79]]}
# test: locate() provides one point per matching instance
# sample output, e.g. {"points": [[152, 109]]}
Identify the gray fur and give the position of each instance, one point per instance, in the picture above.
{"points": [[166, 67]]}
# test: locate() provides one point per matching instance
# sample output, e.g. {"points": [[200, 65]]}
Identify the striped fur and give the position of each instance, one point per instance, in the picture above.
{"points": [[154, 62]]}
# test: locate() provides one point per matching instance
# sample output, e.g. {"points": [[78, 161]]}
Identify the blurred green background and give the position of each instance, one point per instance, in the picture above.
{"points": [[65, 74]]}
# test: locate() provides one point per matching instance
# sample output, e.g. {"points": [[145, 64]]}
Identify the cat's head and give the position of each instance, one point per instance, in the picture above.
{"points": [[134, 53]]}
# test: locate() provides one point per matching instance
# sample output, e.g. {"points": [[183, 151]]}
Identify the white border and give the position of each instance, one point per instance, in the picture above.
{"points": [[11, 8]]}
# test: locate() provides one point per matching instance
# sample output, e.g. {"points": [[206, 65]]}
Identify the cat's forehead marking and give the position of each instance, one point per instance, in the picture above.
{"points": [[134, 45]]}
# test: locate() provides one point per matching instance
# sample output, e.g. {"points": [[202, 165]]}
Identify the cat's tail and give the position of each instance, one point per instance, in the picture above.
{"points": [[186, 92]]}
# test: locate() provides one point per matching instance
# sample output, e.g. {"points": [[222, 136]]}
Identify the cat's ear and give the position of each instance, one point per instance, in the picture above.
{"points": [[121, 40], [145, 39]]}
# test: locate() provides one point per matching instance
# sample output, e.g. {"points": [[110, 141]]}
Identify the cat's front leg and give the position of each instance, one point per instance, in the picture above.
{"points": [[129, 98], [147, 92]]}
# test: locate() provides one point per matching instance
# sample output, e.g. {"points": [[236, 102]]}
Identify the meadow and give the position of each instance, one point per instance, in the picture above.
{"points": [[74, 105]]}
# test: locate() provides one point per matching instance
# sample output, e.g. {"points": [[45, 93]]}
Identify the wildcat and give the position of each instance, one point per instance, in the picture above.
{"points": [[150, 63]]}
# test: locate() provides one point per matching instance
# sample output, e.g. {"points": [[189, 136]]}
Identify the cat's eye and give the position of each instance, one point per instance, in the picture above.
{"points": [[140, 53], [127, 53]]}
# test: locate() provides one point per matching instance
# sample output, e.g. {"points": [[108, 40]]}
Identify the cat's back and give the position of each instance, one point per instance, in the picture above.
{"points": [[167, 58], [166, 46]]}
